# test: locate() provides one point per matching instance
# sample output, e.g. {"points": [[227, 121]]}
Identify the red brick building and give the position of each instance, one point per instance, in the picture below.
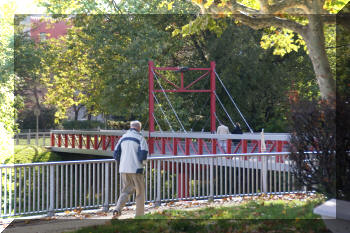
{"points": [[42, 29]]}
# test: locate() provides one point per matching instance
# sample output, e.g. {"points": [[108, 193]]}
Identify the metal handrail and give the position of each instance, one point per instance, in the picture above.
{"points": [[51, 187], [154, 157], [199, 135]]}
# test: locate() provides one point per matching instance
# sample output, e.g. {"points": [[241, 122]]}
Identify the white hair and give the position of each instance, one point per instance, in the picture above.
{"points": [[135, 124]]}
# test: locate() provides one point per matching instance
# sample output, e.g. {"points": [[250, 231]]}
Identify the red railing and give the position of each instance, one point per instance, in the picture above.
{"points": [[170, 143]]}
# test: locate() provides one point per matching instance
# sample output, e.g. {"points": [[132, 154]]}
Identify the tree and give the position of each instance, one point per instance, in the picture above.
{"points": [[7, 101], [307, 19], [259, 81], [289, 24], [102, 63]]}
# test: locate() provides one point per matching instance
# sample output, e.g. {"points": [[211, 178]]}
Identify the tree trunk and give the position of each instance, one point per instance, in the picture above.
{"points": [[316, 46], [36, 96], [76, 112]]}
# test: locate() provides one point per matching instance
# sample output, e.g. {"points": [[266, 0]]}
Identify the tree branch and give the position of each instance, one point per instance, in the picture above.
{"points": [[283, 6], [115, 6], [259, 21]]}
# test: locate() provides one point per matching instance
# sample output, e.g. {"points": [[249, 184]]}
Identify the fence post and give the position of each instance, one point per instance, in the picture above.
{"points": [[51, 211], [28, 137], [158, 184], [44, 138], [211, 180], [106, 204], [264, 174], [17, 139]]}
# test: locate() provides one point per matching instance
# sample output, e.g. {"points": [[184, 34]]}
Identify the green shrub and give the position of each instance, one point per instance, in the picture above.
{"points": [[118, 124], [313, 129], [83, 124]]}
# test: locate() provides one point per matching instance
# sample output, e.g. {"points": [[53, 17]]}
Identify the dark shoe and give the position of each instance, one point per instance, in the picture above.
{"points": [[116, 214]]}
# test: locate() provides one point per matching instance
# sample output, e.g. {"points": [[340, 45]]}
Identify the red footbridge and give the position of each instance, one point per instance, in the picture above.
{"points": [[103, 142]]}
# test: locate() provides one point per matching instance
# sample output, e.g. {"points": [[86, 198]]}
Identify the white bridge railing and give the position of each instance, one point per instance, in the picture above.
{"points": [[39, 188]]}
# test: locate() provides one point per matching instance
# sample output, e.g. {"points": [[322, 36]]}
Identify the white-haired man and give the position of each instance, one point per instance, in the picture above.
{"points": [[131, 152]]}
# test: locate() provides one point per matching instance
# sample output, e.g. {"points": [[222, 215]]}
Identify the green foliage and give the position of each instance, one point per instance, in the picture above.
{"points": [[102, 64], [7, 111], [27, 120], [259, 82], [28, 89], [83, 124], [74, 6], [119, 125], [119, 7]]}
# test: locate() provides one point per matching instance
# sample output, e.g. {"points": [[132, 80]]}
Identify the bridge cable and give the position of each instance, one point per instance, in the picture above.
{"points": [[161, 109], [177, 117], [217, 118], [250, 129], [157, 123], [223, 107]]}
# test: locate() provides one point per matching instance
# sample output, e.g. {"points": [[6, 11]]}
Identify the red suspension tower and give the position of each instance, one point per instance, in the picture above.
{"points": [[208, 72]]}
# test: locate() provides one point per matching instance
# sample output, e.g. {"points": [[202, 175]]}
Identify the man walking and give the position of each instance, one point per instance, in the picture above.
{"points": [[131, 152]]}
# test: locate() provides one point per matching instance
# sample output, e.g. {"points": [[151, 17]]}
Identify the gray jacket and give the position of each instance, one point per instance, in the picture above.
{"points": [[131, 151]]}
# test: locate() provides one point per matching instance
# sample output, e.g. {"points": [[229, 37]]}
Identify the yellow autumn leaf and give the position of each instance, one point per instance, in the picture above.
{"points": [[170, 6], [197, 1], [208, 4]]}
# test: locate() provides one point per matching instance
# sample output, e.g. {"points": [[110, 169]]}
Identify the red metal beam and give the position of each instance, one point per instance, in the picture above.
{"points": [[212, 98], [181, 90], [151, 106], [112, 143], [228, 145], [59, 140], [168, 81], [73, 140], [200, 146], [52, 139], [174, 146], [195, 81], [178, 68]]}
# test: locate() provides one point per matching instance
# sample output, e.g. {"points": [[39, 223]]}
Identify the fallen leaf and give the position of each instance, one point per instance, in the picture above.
{"points": [[101, 214]]}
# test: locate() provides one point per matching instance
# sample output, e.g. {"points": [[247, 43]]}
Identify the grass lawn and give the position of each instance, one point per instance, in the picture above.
{"points": [[31, 154], [249, 216]]}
